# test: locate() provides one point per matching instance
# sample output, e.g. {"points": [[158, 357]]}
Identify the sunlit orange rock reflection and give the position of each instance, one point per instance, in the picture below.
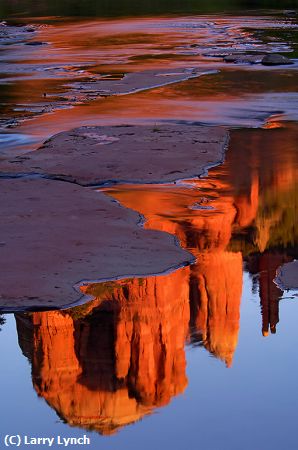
{"points": [[216, 286], [112, 361], [216, 278]]}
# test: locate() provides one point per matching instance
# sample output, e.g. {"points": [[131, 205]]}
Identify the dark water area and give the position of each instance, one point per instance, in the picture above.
{"points": [[95, 8]]}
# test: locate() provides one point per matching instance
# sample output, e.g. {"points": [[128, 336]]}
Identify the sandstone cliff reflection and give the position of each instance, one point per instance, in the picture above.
{"points": [[112, 361], [116, 359], [245, 211], [265, 266]]}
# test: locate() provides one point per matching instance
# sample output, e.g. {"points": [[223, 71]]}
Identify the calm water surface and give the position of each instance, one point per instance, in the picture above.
{"points": [[204, 356], [206, 353]]}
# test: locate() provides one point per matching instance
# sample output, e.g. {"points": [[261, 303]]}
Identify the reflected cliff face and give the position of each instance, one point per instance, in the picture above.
{"points": [[114, 360], [246, 210]]}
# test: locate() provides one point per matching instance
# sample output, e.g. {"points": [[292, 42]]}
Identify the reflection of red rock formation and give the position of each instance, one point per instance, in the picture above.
{"points": [[200, 220], [216, 286], [269, 292], [111, 362], [247, 205], [216, 278], [262, 168], [150, 336], [266, 265], [251, 194]]}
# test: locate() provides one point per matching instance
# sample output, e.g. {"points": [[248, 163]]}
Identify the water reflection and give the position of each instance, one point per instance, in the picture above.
{"points": [[265, 266], [114, 360], [2, 321], [108, 363], [42, 79], [246, 210]]}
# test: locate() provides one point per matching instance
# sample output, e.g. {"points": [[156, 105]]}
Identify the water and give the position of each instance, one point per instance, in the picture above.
{"points": [[218, 406], [210, 347], [206, 355], [43, 83]]}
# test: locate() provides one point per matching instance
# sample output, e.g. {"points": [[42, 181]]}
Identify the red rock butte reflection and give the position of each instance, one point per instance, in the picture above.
{"points": [[114, 360], [111, 362], [266, 266], [245, 209]]}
